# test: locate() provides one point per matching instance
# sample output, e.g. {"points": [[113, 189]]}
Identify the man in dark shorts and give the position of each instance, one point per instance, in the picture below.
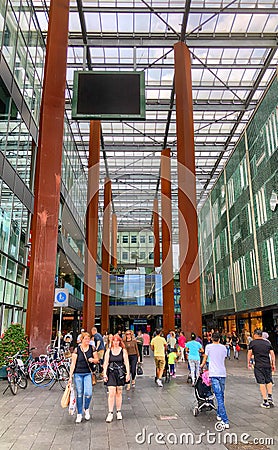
{"points": [[264, 366]]}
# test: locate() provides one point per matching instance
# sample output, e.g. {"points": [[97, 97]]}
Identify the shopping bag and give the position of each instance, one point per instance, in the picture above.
{"points": [[72, 402], [139, 369], [237, 348], [66, 397]]}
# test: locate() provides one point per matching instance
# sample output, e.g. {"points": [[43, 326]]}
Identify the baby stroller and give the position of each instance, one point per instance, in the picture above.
{"points": [[204, 396]]}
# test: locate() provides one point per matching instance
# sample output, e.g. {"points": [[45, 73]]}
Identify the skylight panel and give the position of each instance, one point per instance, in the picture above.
{"points": [[74, 22], [194, 20], [257, 23], [271, 23], [209, 26], [93, 22], [241, 23], [125, 22], [224, 23], [126, 55], [157, 26], [111, 55], [142, 23], [109, 22]]}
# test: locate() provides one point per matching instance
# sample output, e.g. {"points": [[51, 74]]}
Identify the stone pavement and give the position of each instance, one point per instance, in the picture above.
{"points": [[33, 419]]}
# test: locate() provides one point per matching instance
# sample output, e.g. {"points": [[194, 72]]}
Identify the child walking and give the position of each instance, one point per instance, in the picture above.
{"points": [[172, 357]]}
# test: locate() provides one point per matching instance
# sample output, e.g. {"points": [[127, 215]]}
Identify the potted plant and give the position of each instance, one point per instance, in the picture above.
{"points": [[11, 341]]}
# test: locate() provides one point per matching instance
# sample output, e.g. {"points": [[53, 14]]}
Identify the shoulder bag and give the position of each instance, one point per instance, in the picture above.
{"points": [[94, 380]]}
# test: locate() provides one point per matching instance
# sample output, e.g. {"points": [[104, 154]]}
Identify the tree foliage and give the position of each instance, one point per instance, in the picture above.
{"points": [[11, 341]]}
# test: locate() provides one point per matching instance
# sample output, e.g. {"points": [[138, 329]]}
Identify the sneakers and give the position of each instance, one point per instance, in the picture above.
{"points": [[271, 402], [78, 418], [159, 383], [218, 418], [119, 415], [265, 404], [87, 414], [174, 375], [109, 417]]}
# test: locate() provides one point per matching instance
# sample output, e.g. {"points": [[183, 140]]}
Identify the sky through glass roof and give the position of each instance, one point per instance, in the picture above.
{"points": [[233, 47]]}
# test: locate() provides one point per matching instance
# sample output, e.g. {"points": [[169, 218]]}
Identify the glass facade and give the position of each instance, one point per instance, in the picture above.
{"points": [[135, 247], [238, 230], [22, 55]]}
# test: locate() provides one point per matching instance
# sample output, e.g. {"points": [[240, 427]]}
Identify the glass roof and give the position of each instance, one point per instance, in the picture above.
{"points": [[233, 47]]}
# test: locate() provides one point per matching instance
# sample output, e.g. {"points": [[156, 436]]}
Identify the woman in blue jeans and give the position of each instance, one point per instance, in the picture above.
{"points": [[83, 356]]}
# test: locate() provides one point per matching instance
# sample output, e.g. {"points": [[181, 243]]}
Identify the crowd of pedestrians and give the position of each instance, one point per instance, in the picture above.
{"points": [[119, 356]]}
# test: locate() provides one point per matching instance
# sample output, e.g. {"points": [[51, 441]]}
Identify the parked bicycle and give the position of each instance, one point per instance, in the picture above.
{"points": [[50, 372], [15, 374]]}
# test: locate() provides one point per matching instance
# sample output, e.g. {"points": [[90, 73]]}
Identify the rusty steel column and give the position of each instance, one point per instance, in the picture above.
{"points": [[48, 180], [190, 299], [167, 252], [156, 233], [105, 282], [114, 241], [91, 227]]}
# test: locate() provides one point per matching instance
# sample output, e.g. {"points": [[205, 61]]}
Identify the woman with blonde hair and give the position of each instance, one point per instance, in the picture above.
{"points": [[115, 375], [133, 354], [82, 358]]}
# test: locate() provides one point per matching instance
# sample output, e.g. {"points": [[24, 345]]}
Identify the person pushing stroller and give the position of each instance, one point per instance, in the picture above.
{"points": [[194, 348]]}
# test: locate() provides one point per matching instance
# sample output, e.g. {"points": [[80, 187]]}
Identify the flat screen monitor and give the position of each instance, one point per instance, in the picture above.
{"points": [[109, 95]]}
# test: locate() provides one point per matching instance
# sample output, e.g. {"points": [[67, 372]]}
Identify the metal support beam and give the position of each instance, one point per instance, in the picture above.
{"points": [[91, 227], [159, 40], [114, 241], [190, 301], [105, 282], [156, 233], [48, 181], [167, 252]]}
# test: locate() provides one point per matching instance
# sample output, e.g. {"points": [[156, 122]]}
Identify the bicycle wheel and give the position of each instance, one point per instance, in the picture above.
{"points": [[63, 376], [43, 376], [32, 367], [12, 380], [22, 380]]}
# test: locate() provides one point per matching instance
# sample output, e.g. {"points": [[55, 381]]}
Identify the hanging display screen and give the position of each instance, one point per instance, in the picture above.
{"points": [[109, 95]]}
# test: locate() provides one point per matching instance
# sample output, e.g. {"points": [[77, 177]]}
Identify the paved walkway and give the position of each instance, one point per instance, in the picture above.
{"points": [[33, 419]]}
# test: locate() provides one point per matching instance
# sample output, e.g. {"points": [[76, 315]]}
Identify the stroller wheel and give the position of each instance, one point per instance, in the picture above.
{"points": [[195, 411]]}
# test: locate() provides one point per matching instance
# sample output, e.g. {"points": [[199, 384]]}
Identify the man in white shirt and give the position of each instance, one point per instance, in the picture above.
{"points": [[217, 374]]}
